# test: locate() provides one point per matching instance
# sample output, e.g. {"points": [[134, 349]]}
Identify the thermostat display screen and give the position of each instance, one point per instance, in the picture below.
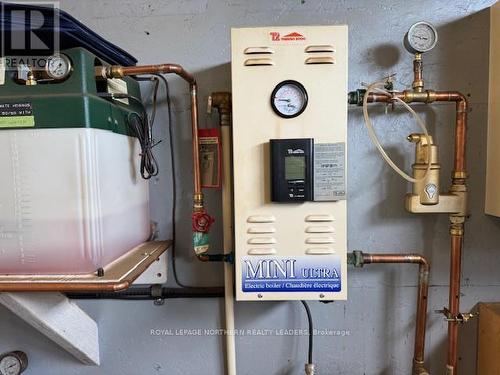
{"points": [[295, 167]]}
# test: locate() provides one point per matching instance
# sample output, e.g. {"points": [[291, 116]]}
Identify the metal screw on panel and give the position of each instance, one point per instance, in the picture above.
{"points": [[100, 272], [259, 295], [321, 295], [159, 302]]}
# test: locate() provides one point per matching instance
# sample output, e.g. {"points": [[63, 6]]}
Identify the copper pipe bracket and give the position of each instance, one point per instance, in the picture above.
{"points": [[116, 276], [459, 318]]}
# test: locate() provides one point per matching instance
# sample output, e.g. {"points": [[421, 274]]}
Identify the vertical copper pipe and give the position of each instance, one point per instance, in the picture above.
{"points": [[423, 290], [462, 107], [454, 301], [198, 196]]}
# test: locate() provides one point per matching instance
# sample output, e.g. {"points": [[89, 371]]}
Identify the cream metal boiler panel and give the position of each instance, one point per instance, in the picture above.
{"points": [[310, 233], [493, 164]]}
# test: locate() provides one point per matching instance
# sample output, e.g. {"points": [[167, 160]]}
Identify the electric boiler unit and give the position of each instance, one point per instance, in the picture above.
{"points": [[289, 154], [72, 198]]}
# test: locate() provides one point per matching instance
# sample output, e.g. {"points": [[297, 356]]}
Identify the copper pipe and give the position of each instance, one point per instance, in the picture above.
{"points": [[458, 178], [117, 71], [462, 107], [454, 299], [423, 290]]}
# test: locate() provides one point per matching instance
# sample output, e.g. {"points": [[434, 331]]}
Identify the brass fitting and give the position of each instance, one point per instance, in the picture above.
{"points": [[31, 80], [222, 102], [198, 202], [418, 368], [113, 71], [426, 196], [411, 96], [459, 175], [310, 370], [456, 230], [418, 81], [425, 152]]}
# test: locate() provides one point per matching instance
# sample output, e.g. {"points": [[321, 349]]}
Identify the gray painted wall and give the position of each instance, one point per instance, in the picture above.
{"points": [[379, 315]]}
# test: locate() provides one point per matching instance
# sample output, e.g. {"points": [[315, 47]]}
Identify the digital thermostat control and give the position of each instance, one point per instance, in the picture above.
{"points": [[292, 169]]}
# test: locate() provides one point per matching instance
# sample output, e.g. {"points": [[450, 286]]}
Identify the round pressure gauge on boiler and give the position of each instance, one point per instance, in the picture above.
{"points": [[58, 67], [13, 363], [421, 37], [289, 99]]}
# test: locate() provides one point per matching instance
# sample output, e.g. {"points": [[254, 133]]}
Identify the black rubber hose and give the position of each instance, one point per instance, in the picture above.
{"points": [[311, 332]]}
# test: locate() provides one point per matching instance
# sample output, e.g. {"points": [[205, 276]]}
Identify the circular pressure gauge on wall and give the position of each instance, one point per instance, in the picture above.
{"points": [[289, 99], [58, 67], [421, 37], [13, 363]]}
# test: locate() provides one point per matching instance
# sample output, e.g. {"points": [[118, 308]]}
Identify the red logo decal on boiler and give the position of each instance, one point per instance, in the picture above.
{"points": [[276, 37]]}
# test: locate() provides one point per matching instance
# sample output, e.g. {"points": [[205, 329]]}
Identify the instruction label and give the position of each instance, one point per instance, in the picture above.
{"points": [[329, 172], [16, 115], [291, 274]]}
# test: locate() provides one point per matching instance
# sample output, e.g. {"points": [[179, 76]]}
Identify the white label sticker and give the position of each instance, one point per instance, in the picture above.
{"points": [[2, 71], [118, 86], [329, 172]]}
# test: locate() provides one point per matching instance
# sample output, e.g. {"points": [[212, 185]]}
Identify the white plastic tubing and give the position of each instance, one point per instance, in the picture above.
{"points": [[227, 208], [378, 87]]}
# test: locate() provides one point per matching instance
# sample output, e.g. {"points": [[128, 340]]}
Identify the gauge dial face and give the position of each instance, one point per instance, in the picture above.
{"points": [[58, 66], [289, 99], [10, 365], [421, 37]]}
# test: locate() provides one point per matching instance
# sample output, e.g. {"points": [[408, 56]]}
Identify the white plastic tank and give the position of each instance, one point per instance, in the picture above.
{"points": [[71, 200]]}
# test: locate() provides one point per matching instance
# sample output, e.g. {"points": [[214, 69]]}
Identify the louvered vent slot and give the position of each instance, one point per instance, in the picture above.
{"points": [[259, 62], [325, 48], [320, 60], [258, 50]]}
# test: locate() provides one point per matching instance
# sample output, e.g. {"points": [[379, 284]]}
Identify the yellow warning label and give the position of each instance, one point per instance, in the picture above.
{"points": [[17, 122]]}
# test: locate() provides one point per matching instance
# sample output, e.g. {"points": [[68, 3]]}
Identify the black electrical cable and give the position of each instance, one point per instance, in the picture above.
{"points": [[141, 294], [174, 181], [311, 332], [142, 128]]}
